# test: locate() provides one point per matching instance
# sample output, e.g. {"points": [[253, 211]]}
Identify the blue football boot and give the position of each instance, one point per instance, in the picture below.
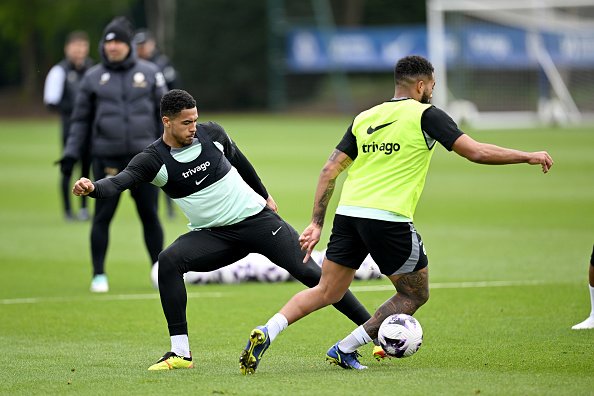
{"points": [[257, 344], [344, 360]]}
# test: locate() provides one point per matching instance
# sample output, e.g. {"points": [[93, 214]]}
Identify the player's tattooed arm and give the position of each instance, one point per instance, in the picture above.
{"points": [[341, 159], [322, 204], [337, 163], [412, 292]]}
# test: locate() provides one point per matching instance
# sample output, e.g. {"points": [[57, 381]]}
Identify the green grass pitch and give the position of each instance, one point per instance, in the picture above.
{"points": [[508, 249]]}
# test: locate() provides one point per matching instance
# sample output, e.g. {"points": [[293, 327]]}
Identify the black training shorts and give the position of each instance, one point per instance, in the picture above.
{"points": [[396, 247]]}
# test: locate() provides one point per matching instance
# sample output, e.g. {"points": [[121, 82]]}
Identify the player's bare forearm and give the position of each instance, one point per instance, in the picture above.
{"points": [[337, 163], [495, 155], [490, 154], [310, 237], [323, 196]]}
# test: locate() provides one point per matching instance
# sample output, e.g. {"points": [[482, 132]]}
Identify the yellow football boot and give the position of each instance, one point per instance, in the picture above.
{"points": [[379, 354], [171, 361]]}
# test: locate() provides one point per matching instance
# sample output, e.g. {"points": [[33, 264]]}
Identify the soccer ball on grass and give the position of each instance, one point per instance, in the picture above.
{"points": [[400, 335]]}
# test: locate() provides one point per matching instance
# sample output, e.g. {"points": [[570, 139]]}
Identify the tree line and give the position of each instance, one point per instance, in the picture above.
{"points": [[221, 48]]}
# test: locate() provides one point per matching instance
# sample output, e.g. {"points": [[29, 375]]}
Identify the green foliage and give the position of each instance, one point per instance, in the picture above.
{"points": [[220, 50], [480, 224], [44, 25]]}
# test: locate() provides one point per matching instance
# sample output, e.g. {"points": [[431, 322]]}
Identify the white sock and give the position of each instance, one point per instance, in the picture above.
{"points": [[357, 338], [275, 325], [592, 300], [180, 345]]}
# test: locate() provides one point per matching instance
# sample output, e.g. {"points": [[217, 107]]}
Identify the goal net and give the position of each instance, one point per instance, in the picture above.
{"points": [[503, 63]]}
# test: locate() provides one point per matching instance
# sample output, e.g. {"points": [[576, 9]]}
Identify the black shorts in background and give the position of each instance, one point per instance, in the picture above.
{"points": [[396, 247]]}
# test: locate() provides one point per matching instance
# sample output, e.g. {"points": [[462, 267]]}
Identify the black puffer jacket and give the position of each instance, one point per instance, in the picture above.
{"points": [[118, 105]]}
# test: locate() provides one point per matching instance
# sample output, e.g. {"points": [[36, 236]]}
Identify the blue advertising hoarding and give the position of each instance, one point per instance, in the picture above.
{"points": [[311, 50]]}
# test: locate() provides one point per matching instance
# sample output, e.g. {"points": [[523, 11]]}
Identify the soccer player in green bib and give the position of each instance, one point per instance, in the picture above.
{"points": [[390, 147]]}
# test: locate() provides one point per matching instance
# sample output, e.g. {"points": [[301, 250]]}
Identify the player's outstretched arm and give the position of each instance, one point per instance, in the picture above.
{"points": [[337, 162], [83, 186], [484, 153], [106, 187], [142, 169]]}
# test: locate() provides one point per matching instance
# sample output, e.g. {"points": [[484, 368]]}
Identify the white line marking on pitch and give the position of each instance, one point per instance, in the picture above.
{"points": [[107, 297], [358, 289], [454, 285]]}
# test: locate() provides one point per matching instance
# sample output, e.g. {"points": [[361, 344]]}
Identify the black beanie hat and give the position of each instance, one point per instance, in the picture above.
{"points": [[119, 29]]}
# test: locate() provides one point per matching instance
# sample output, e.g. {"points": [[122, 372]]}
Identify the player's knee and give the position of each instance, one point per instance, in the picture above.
{"points": [[330, 296], [422, 296], [168, 262], [164, 257], [416, 297]]}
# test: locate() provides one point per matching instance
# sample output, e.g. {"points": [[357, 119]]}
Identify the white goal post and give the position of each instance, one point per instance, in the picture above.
{"points": [[513, 63]]}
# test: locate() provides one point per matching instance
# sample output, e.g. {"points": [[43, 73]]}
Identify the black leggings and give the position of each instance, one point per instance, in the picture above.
{"points": [[85, 170], [145, 196], [209, 249]]}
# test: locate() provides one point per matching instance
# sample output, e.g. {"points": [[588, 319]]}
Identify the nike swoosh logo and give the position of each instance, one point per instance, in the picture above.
{"points": [[277, 230], [201, 180], [370, 130]]}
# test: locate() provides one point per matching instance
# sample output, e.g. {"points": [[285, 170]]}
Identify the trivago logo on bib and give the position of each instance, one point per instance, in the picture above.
{"points": [[199, 168], [386, 148]]}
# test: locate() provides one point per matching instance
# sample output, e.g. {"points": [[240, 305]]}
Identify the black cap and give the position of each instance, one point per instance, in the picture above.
{"points": [[119, 29], [142, 36]]}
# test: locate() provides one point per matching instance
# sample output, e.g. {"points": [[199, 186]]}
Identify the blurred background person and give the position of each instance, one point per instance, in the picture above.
{"points": [[146, 48], [60, 89], [118, 105]]}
